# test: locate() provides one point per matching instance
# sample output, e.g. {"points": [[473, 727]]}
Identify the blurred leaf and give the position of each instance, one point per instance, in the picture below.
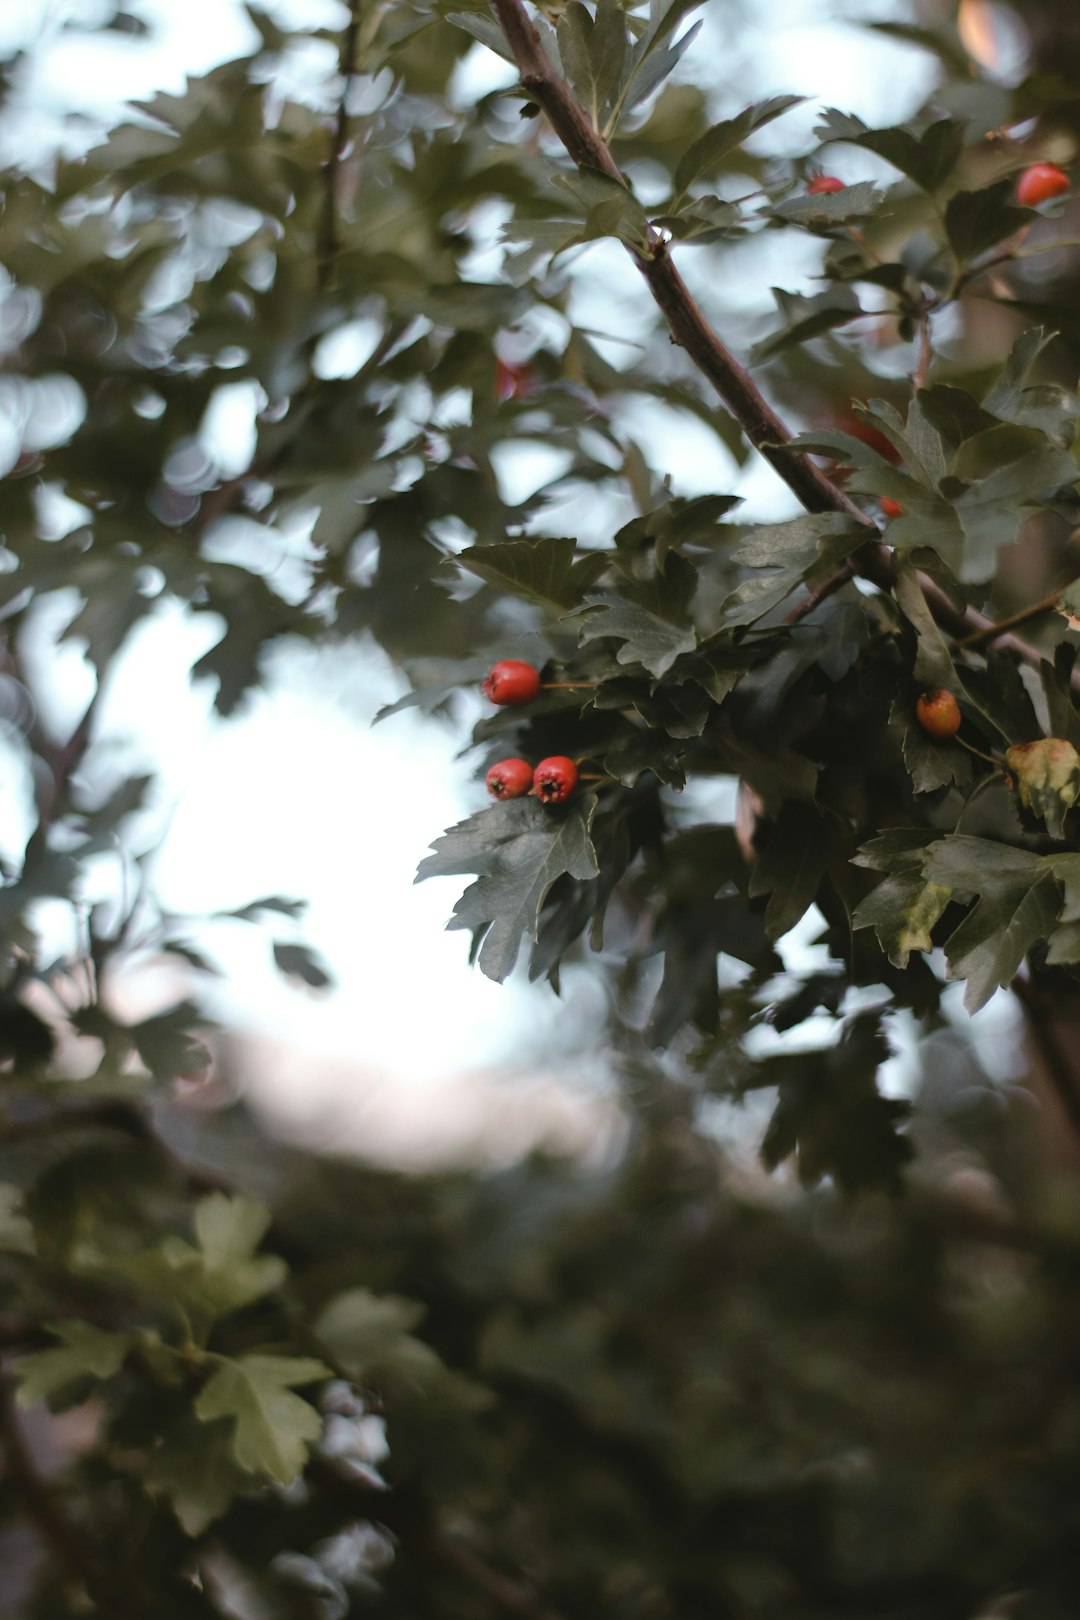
{"points": [[977, 220], [195, 1468], [928, 157], [710, 149], [86, 1352], [806, 318], [300, 962]]}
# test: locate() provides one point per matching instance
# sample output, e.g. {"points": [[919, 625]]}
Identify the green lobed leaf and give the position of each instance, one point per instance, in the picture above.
{"points": [[195, 1468], [594, 53], [824, 211], [928, 158], [611, 209], [791, 867], [273, 1428], [902, 910], [519, 848], [371, 1338], [969, 865], [484, 29], [931, 762], [806, 318], [221, 1274], [1047, 406], [992, 941], [802, 551], [831, 1115], [646, 638], [85, 1352], [977, 220], [545, 570]]}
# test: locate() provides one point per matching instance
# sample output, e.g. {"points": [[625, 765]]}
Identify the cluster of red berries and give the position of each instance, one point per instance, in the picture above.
{"points": [[512, 681], [552, 781], [1036, 184]]}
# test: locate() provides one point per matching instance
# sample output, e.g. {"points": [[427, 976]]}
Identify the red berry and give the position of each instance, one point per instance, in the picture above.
{"points": [[820, 183], [938, 713], [555, 779], [511, 681], [891, 509], [512, 380], [1041, 181], [510, 779]]}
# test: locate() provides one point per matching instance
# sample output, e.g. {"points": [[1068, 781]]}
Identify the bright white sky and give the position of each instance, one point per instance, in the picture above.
{"points": [[297, 795]]}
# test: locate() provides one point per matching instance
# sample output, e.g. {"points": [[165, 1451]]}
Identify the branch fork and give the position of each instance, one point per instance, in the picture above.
{"points": [[689, 328]]}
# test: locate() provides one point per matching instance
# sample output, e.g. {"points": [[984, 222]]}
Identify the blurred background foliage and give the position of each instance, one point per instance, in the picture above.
{"points": [[654, 1381]]}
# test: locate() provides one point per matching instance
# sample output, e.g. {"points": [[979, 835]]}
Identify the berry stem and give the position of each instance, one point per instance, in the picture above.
{"points": [[996, 763], [565, 686]]}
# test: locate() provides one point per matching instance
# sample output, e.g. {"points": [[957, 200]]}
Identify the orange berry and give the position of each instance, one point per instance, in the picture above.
{"points": [[938, 713]]}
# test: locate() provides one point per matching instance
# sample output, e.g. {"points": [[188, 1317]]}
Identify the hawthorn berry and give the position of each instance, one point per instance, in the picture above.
{"points": [[511, 381], [938, 713], [511, 681], [554, 779], [891, 509], [1041, 181], [818, 184], [510, 779]]}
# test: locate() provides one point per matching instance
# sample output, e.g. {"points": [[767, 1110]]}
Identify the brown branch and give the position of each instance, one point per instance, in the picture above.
{"points": [[993, 631], [689, 328], [329, 244], [507, 1594], [1059, 1070], [921, 375]]}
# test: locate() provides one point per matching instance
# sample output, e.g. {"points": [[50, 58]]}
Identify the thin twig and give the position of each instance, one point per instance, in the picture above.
{"points": [[991, 631], [766, 432], [329, 244], [507, 1594], [921, 375]]}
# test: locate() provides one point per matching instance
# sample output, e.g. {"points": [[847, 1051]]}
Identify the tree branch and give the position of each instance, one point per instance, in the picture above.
{"points": [[329, 241], [507, 1594], [689, 328], [1059, 1068]]}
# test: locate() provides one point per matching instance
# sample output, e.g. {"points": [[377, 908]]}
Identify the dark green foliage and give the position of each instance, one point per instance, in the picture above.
{"points": [[671, 1387]]}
